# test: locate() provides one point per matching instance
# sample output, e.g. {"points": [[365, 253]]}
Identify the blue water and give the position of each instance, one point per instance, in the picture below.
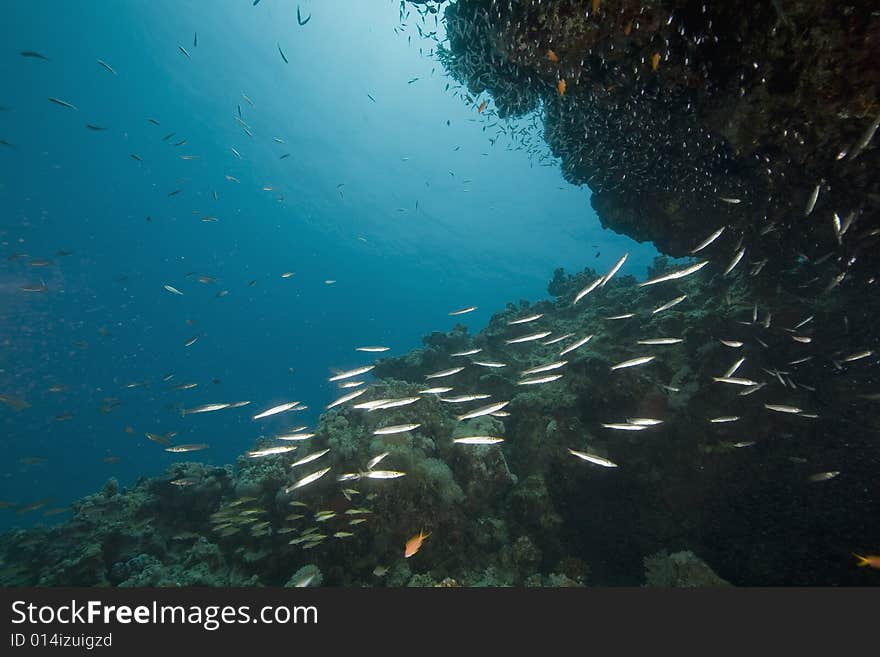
{"points": [[406, 240]]}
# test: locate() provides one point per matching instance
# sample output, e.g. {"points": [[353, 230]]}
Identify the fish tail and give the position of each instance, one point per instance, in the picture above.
{"points": [[862, 560]]}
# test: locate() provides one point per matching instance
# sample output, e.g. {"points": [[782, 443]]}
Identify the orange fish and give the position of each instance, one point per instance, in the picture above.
{"points": [[481, 107], [872, 560], [596, 5], [655, 61], [552, 56], [415, 543], [560, 87], [628, 28]]}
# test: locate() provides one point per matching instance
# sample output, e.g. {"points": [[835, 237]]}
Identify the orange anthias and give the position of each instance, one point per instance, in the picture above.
{"points": [[552, 56], [872, 560], [560, 87], [415, 543], [481, 107]]}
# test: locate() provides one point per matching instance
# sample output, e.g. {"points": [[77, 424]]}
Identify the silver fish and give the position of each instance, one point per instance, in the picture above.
{"points": [[526, 320], [483, 410], [706, 242], [575, 345], [614, 269], [346, 398], [633, 362], [528, 338], [681, 273], [281, 408], [443, 373], [669, 304], [396, 428], [592, 458], [350, 373]]}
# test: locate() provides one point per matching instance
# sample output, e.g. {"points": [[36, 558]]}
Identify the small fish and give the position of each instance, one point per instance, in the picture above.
{"points": [[373, 462], [308, 479], [434, 391], [780, 408], [183, 50], [488, 363], [552, 56], [478, 440], [625, 427], [462, 311], [469, 352], [655, 341], [394, 403], [823, 476], [482, 107], [280, 408], [644, 421], [350, 373], [617, 265], [811, 202], [63, 103], [706, 242], [575, 345], [483, 410], [589, 288], [299, 17], [681, 273], [371, 98], [857, 356], [633, 362], [733, 201], [413, 80], [345, 398], [192, 447], [107, 66], [414, 544], [559, 339], [34, 55], [669, 304], [540, 379], [443, 373], [544, 368], [526, 320], [191, 341], [195, 39], [592, 458], [734, 381], [372, 349], [396, 428], [734, 344], [185, 481], [172, 289], [383, 474], [655, 61], [724, 418], [206, 408], [380, 571], [560, 87], [733, 263], [528, 338], [744, 443], [282, 54]]}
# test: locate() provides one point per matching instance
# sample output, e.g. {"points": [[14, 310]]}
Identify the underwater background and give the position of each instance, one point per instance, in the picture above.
{"points": [[216, 203]]}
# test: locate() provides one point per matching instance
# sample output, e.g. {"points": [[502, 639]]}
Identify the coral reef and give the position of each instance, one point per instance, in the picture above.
{"points": [[678, 110], [524, 512]]}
